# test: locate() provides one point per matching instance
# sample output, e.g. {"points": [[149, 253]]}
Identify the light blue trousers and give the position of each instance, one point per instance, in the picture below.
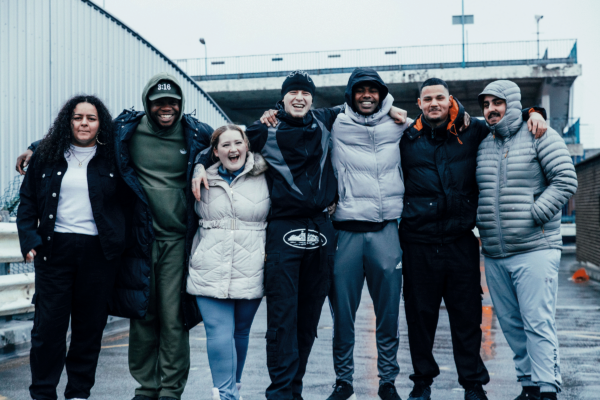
{"points": [[227, 323], [523, 289]]}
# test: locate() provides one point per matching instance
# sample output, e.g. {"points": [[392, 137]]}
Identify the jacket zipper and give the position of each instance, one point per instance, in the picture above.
{"points": [[377, 168], [497, 207], [505, 175]]}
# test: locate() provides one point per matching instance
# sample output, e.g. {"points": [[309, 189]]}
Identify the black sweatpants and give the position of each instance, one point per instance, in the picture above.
{"points": [[298, 270], [74, 281], [433, 272]]}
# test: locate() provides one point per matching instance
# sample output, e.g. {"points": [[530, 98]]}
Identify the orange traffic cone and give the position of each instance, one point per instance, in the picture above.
{"points": [[580, 275]]}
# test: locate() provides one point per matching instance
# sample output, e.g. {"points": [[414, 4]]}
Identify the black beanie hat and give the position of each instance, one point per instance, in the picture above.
{"points": [[298, 80]]}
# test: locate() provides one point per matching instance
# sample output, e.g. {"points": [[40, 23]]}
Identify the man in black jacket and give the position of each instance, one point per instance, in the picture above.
{"points": [[440, 252], [300, 244], [160, 227]]}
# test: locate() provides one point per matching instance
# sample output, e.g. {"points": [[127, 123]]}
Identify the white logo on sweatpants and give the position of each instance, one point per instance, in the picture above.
{"points": [[304, 239]]}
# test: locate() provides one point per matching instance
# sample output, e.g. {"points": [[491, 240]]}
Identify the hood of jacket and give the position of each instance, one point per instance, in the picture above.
{"points": [[162, 76], [513, 118], [365, 75], [456, 114]]}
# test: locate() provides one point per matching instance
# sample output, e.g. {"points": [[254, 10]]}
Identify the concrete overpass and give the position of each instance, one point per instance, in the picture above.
{"points": [[246, 86]]}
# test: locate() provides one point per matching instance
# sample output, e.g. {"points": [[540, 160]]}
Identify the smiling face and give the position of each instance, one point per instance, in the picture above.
{"points": [[494, 109], [231, 150], [435, 102], [84, 125], [366, 97], [165, 111], [297, 103]]}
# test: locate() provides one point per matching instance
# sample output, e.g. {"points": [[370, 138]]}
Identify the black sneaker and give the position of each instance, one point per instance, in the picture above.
{"points": [[475, 393], [388, 391], [342, 391], [548, 396], [529, 392], [421, 391], [142, 397], [297, 396]]}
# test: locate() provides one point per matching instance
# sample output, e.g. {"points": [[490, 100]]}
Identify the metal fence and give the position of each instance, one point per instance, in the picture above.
{"points": [[384, 58]]}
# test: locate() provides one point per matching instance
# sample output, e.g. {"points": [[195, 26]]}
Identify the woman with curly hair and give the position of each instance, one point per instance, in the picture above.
{"points": [[71, 224]]}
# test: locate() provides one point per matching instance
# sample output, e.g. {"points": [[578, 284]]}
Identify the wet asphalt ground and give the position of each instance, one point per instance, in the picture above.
{"points": [[578, 321]]}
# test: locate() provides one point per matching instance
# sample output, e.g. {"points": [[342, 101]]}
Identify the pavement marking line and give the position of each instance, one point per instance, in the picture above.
{"points": [[581, 336], [3, 398], [111, 347]]}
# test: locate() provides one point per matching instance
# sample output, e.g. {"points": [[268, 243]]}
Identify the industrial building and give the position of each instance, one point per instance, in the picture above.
{"points": [[51, 50]]}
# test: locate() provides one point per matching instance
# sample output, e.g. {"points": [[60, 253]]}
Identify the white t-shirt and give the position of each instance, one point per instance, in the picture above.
{"points": [[74, 213]]}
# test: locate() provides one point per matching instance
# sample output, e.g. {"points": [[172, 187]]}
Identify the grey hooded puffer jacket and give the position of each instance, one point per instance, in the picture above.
{"points": [[523, 182], [366, 159]]}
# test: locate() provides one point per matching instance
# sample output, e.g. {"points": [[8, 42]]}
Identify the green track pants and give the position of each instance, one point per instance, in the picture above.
{"points": [[159, 348]]}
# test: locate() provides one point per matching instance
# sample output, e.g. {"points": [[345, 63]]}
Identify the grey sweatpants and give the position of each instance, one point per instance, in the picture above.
{"points": [[377, 257], [523, 289]]}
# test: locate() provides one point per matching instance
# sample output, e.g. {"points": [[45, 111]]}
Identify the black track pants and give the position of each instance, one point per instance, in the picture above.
{"points": [[433, 272], [300, 255], [74, 281]]}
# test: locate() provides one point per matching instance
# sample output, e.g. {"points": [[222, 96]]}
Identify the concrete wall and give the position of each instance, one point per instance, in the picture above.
{"points": [[587, 200], [244, 100]]}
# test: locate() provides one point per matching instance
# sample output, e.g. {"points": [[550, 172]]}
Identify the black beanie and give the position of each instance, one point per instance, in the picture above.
{"points": [[298, 80]]}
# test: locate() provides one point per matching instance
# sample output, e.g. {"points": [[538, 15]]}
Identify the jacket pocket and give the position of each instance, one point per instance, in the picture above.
{"points": [[420, 214], [108, 181]]}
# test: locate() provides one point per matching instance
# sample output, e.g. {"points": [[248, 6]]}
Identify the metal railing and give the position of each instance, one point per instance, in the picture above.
{"points": [[382, 59]]}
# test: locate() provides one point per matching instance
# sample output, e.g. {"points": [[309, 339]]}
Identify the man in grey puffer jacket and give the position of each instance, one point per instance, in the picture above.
{"points": [[366, 159], [524, 183]]}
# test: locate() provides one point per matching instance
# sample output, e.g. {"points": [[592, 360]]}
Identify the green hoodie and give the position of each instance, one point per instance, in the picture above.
{"points": [[159, 157]]}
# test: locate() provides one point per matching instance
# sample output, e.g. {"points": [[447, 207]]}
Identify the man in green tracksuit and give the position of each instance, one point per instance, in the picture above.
{"points": [[159, 352]]}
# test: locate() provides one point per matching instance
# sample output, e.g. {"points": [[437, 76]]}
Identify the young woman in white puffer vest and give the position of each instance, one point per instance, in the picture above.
{"points": [[228, 252]]}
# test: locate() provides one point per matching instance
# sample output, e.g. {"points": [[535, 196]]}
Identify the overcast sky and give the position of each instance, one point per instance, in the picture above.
{"points": [[245, 27]]}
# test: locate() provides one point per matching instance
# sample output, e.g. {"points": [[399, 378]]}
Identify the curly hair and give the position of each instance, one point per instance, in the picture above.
{"points": [[57, 141]]}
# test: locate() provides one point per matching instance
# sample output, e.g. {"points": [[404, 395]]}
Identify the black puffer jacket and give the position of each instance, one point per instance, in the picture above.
{"points": [[133, 282], [440, 201]]}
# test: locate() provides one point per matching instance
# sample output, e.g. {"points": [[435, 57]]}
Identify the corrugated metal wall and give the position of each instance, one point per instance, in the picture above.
{"points": [[51, 50]]}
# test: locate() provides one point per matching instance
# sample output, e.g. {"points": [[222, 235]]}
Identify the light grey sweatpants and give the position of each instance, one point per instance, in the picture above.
{"points": [[523, 289], [377, 257]]}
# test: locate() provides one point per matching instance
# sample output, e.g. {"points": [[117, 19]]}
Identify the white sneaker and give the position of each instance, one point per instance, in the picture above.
{"points": [[238, 385], [215, 394]]}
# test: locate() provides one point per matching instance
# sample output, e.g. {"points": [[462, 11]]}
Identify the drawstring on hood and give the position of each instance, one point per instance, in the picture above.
{"points": [[513, 118]]}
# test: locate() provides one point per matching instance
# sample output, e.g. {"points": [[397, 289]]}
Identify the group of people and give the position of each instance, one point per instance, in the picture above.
{"points": [[159, 218]]}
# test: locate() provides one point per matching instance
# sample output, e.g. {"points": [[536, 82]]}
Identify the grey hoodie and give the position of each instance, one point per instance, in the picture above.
{"points": [[523, 182]]}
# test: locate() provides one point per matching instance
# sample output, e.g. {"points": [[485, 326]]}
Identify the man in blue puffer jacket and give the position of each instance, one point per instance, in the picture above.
{"points": [[523, 184]]}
